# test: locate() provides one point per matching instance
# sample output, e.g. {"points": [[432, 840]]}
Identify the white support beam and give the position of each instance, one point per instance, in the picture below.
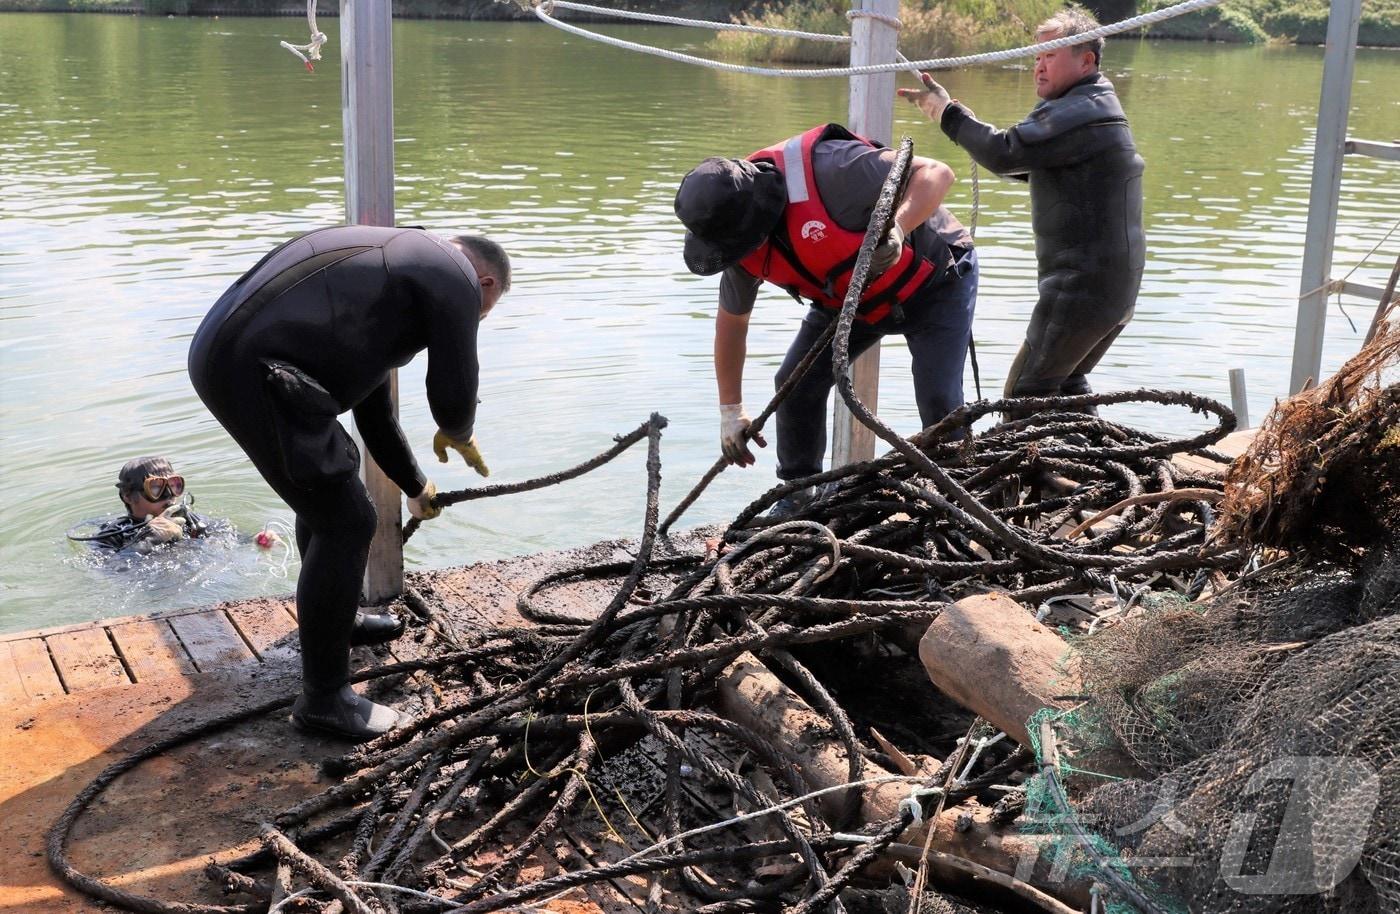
{"points": [[871, 115], [367, 104], [1360, 290], [1376, 150], [1328, 152]]}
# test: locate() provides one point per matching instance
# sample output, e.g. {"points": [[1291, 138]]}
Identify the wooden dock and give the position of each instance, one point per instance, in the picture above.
{"points": [[80, 697]]}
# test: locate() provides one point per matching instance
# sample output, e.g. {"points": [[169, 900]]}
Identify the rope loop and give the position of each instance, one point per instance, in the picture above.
{"points": [[891, 21]]}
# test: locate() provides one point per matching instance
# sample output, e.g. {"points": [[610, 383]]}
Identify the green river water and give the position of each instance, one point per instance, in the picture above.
{"points": [[148, 162]]}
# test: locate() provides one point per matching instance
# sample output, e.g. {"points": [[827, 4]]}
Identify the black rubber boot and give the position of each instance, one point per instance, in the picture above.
{"points": [[344, 714], [792, 504], [375, 628]]}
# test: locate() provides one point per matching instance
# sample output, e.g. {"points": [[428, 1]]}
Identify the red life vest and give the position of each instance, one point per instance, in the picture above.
{"points": [[811, 256]]}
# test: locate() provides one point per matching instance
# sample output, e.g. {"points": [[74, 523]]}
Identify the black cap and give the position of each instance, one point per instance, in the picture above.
{"points": [[729, 206], [135, 471]]}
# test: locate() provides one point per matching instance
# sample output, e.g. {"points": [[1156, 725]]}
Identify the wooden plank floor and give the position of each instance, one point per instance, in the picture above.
{"points": [[1232, 446], [157, 828], [81, 658]]}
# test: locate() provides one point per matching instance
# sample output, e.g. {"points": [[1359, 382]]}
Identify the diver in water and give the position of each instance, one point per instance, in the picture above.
{"points": [[157, 512]]}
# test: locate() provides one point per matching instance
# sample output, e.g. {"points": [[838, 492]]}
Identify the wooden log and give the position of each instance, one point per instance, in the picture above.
{"points": [[990, 656], [752, 696]]}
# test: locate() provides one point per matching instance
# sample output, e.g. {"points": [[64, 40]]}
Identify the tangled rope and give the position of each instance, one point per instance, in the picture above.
{"points": [[520, 729]]}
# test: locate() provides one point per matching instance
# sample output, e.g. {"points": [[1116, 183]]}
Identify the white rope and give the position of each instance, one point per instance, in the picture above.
{"points": [[312, 51], [357, 884], [1335, 285], [695, 23], [982, 744], [769, 810], [542, 10]]}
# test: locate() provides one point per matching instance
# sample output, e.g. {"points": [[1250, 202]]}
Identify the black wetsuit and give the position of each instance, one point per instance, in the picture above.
{"points": [[1086, 209], [312, 331], [125, 531]]}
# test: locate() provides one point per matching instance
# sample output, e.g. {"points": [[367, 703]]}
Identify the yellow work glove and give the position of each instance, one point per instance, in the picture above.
{"points": [[466, 448], [422, 506]]}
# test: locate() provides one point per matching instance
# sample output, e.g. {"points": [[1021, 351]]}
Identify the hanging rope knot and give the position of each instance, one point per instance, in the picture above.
{"points": [[892, 21], [312, 50]]}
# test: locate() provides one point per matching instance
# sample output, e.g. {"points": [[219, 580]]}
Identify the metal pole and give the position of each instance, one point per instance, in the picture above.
{"points": [[1328, 152], [1239, 400], [871, 115], [367, 104]]}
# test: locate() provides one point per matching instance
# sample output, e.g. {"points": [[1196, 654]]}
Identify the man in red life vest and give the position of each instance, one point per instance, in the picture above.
{"points": [[794, 214]]}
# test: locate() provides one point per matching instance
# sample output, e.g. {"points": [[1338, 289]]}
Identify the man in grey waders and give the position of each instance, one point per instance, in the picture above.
{"points": [[1085, 176], [310, 332]]}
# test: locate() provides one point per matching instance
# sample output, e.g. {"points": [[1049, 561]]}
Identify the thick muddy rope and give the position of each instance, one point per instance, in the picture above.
{"points": [[621, 443], [56, 843]]}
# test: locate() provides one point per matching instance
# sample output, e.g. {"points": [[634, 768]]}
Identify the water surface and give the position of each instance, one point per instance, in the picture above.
{"points": [[148, 162]]}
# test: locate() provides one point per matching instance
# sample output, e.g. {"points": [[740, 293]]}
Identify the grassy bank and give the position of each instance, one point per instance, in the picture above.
{"points": [[937, 28], [932, 28], [1300, 21]]}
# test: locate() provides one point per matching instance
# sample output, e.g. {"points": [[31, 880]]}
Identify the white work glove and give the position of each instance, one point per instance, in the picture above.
{"points": [[931, 99], [887, 251], [162, 528], [734, 434], [422, 506]]}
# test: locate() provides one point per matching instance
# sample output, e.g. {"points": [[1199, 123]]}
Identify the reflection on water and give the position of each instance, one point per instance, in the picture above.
{"points": [[149, 162], [221, 565]]}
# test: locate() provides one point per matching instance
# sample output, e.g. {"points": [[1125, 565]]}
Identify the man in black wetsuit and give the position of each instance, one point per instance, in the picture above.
{"points": [[1085, 174], [310, 332]]}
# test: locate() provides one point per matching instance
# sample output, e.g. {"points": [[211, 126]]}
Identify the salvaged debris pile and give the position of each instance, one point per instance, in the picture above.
{"points": [[1262, 725], [519, 726]]}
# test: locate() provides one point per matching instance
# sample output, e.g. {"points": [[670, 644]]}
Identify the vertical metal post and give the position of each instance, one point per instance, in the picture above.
{"points": [[1239, 400], [1328, 151], [871, 115], [367, 105]]}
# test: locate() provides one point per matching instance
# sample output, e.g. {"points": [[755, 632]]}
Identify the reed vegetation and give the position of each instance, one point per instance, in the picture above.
{"points": [[929, 28]]}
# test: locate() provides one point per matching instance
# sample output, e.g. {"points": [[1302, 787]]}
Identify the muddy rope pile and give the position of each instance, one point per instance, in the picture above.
{"points": [[443, 813]]}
